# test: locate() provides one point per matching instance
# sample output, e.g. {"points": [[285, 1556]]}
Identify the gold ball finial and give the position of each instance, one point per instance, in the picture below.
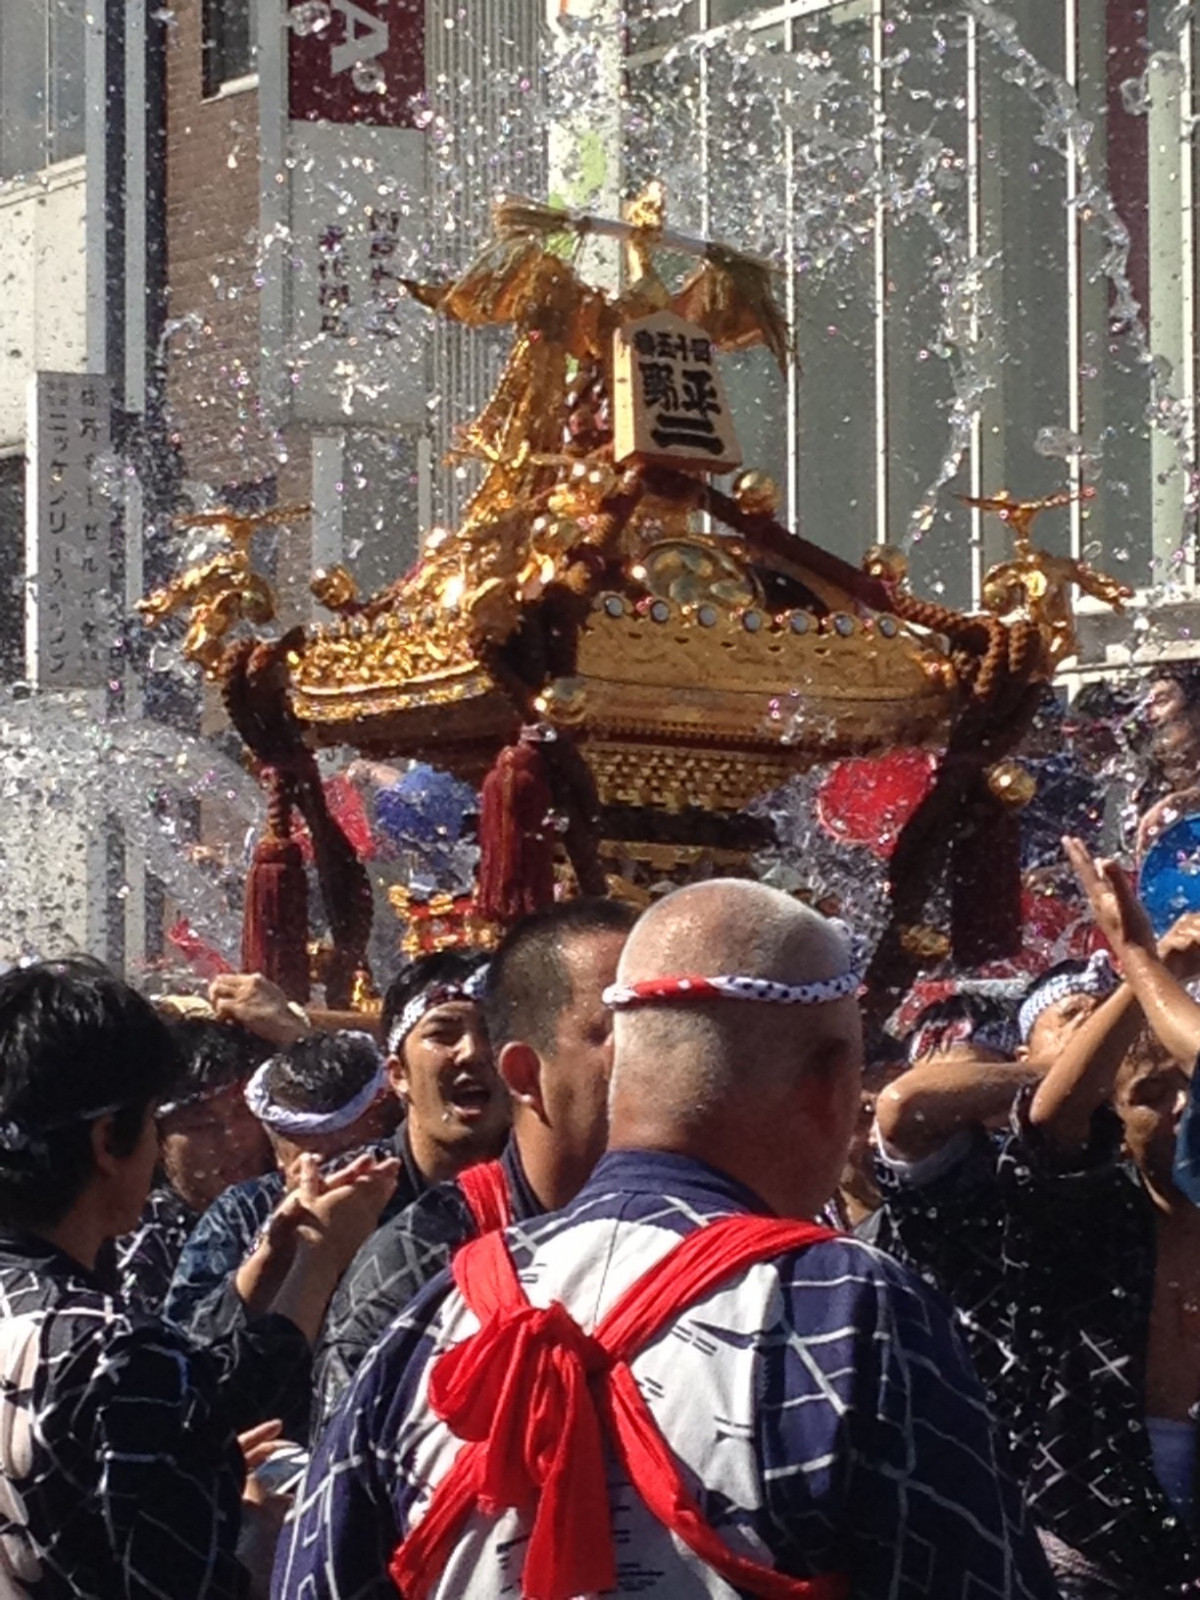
{"points": [[756, 493], [334, 588], [886, 562], [1012, 784]]}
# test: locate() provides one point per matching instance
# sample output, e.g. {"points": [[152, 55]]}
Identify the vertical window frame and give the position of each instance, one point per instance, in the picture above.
{"points": [[217, 71]]}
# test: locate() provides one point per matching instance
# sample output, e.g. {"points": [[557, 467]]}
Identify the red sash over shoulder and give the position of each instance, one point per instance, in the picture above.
{"points": [[535, 1397], [485, 1189]]}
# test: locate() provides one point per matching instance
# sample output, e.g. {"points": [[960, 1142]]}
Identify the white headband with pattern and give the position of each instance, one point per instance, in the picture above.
{"points": [[729, 986], [1097, 978], [287, 1120], [437, 994]]}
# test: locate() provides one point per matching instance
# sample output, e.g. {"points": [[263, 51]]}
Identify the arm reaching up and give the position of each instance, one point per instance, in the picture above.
{"points": [[1083, 1077], [312, 1239], [923, 1110], [1156, 973]]}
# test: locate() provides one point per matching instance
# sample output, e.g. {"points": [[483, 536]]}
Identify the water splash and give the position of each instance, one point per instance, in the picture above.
{"points": [[66, 768]]}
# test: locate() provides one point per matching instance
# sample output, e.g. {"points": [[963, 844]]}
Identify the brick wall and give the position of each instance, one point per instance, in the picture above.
{"points": [[212, 257]]}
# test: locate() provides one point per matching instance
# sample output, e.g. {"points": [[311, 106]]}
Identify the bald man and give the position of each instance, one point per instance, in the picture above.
{"points": [[676, 1385]]}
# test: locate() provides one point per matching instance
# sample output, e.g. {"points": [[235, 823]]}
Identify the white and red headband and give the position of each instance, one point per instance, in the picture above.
{"points": [[728, 986]]}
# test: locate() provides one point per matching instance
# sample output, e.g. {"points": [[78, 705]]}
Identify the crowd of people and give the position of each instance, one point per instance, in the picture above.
{"points": [[615, 1261]]}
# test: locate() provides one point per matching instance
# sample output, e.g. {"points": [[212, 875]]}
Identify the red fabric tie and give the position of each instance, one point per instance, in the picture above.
{"points": [[485, 1189], [520, 1388], [532, 1396]]}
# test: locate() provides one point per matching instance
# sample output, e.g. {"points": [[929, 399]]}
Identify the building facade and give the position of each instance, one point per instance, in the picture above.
{"points": [[988, 217]]}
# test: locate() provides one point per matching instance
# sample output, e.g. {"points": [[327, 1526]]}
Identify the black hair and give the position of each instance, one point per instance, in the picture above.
{"points": [[75, 1043], [214, 1055], [323, 1071], [443, 966], [528, 986], [1099, 702], [962, 1016]]}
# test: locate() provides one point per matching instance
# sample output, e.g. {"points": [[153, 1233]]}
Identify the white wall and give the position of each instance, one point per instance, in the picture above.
{"points": [[43, 285]]}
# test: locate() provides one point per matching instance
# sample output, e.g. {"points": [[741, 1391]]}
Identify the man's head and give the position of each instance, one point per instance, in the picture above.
{"points": [[552, 1035], [208, 1138], [440, 1061], [83, 1062], [966, 1024], [1058, 1003], [1150, 1096], [324, 1095], [767, 1091], [1173, 693]]}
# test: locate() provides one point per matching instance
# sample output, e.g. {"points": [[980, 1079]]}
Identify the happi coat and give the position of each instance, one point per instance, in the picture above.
{"points": [[120, 1472], [819, 1406]]}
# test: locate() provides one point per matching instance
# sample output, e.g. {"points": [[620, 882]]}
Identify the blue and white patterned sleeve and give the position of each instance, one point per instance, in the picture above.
{"points": [[879, 1453], [345, 1526], [168, 1468], [216, 1248]]}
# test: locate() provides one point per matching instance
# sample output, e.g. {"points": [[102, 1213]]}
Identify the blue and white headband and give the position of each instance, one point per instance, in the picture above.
{"points": [[287, 1120], [437, 994], [1097, 978]]}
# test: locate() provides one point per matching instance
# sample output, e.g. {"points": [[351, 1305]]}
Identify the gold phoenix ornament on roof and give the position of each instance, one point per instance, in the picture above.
{"points": [[223, 590], [1037, 585]]}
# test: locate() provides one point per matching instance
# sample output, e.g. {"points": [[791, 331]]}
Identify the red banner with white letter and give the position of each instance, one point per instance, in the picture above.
{"points": [[365, 65]]}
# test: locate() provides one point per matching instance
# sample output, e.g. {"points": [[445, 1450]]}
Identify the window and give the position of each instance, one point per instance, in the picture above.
{"points": [[41, 84], [944, 281], [12, 568], [228, 43]]}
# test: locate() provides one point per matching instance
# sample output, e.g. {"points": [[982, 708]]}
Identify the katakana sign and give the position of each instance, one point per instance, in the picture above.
{"points": [[670, 404], [69, 530]]}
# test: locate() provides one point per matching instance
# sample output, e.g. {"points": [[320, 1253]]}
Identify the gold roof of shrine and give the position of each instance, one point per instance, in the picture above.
{"points": [[598, 595]]}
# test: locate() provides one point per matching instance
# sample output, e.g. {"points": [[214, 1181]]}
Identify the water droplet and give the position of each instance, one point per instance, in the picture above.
{"points": [[369, 77], [311, 16]]}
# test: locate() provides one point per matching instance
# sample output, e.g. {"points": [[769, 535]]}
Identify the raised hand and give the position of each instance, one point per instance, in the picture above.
{"points": [[258, 1004], [1117, 911], [1179, 947], [339, 1220]]}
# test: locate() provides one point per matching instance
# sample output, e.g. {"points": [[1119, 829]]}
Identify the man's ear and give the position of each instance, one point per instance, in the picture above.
{"points": [[105, 1161], [520, 1066], [822, 1087], [397, 1074]]}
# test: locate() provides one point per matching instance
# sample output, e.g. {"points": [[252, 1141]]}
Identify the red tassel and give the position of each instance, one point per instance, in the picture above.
{"points": [[275, 916], [516, 836]]}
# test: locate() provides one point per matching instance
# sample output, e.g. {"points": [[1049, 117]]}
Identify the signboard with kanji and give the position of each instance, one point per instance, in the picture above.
{"points": [[358, 340], [343, 211], [669, 403], [69, 522]]}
